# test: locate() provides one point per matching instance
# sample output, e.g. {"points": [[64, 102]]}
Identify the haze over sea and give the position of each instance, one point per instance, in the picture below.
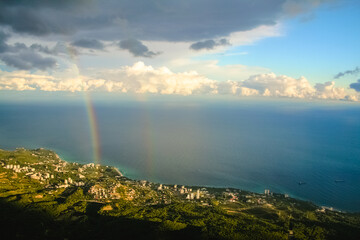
{"points": [[251, 145]]}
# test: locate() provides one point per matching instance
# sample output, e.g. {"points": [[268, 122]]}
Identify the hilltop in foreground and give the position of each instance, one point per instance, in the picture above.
{"points": [[44, 197]]}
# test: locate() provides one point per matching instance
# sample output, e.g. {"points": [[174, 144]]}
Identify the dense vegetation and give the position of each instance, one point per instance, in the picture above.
{"points": [[33, 208]]}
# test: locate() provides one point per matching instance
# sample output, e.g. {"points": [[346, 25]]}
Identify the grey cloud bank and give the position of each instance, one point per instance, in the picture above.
{"points": [[40, 17], [89, 43], [209, 44], [28, 60], [22, 57], [348, 72], [43, 49], [356, 85], [137, 48], [171, 20]]}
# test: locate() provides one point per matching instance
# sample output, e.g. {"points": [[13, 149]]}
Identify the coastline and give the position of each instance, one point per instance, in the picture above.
{"points": [[92, 195], [121, 173]]}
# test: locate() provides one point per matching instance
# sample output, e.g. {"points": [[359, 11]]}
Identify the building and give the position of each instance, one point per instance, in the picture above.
{"points": [[198, 194]]}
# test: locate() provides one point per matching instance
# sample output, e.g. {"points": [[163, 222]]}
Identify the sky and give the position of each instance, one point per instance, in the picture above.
{"points": [[303, 49]]}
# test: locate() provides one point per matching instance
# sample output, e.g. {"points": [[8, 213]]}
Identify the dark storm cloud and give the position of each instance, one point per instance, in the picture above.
{"points": [[3, 38], [190, 20], [31, 21], [136, 48], [170, 20], [4, 47], [43, 3], [28, 60], [43, 17], [89, 43], [348, 72], [22, 57], [43, 49], [209, 44], [356, 85]]}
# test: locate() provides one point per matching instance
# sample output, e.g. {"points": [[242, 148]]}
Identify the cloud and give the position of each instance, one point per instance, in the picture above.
{"points": [[356, 85], [209, 44], [43, 49], [89, 43], [150, 20], [279, 86], [31, 21], [22, 57], [348, 72], [136, 48], [328, 90], [40, 17], [141, 78], [3, 39], [28, 60], [213, 70]]}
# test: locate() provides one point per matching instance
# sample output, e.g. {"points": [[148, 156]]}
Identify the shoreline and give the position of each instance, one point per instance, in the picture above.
{"points": [[116, 168]]}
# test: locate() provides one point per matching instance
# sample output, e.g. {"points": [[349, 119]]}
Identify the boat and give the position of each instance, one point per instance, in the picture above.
{"points": [[301, 183], [339, 180]]}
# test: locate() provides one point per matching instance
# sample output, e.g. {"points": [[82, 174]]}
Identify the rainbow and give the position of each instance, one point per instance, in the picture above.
{"points": [[93, 124], [94, 132]]}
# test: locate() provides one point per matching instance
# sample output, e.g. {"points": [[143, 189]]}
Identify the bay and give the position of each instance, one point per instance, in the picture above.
{"points": [[251, 146]]}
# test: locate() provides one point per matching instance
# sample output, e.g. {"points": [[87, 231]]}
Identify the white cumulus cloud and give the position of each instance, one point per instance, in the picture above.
{"points": [[280, 86], [140, 78]]}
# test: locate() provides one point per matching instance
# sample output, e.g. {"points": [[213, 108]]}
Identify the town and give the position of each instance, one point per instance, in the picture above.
{"points": [[40, 179], [104, 182]]}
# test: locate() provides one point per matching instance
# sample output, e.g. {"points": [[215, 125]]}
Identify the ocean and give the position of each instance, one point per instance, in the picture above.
{"points": [[251, 145]]}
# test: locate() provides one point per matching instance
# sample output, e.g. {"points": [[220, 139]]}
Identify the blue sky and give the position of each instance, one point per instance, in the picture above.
{"points": [[258, 48], [318, 47]]}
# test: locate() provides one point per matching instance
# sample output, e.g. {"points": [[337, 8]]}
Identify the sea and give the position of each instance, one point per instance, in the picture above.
{"points": [[250, 145]]}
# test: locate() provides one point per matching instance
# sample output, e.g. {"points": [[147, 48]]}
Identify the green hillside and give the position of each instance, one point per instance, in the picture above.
{"points": [[44, 197]]}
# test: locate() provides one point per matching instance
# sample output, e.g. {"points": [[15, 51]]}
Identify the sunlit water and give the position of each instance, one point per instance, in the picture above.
{"points": [[249, 146]]}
